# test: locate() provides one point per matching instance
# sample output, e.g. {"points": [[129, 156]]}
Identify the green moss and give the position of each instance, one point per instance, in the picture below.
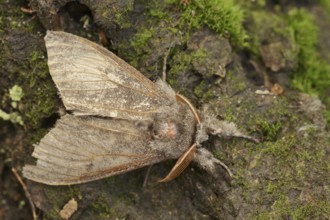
{"points": [[74, 192], [282, 209], [298, 34], [224, 17], [297, 160], [249, 6], [267, 27], [203, 91], [198, 55], [146, 48], [157, 12], [122, 16], [327, 116], [279, 168], [117, 209], [326, 5], [141, 38], [32, 77], [229, 115], [180, 64], [268, 121], [102, 208], [312, 75], [281, 148], [269, 130], [14, 19], [40, 90], [139, 44], [58, 197], [118, 14], [241, 86]]}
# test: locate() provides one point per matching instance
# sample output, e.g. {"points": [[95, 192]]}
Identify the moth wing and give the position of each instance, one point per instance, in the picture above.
{"points": [[94, 81], [83, 149]]}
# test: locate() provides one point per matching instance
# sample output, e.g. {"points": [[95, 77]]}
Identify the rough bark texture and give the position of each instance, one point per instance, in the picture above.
{"points": [[285, 176]]}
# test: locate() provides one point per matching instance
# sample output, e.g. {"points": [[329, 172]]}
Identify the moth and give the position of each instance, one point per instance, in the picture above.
{"points": [[118, 120]]}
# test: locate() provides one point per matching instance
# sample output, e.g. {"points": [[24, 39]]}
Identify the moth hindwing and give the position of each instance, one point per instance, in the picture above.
{"points": [[120, 120]]}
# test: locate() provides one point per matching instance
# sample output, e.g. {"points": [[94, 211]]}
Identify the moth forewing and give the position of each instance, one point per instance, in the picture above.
{"points": [[93, 81]]}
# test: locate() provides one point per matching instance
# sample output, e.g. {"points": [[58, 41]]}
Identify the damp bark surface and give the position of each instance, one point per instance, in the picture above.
{"points": [[285, 176]]}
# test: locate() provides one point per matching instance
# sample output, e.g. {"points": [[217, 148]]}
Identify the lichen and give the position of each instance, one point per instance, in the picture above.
{"points": [[16, 93], [13, 117]]}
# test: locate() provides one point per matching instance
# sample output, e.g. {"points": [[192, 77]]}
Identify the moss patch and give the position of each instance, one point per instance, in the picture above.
{"points": [[282, 208], [169, 26], [102, 209], [224, 17], [312, 75], [41, 90], [33, 94], [292, 38], [277, 171], [272, 40]]}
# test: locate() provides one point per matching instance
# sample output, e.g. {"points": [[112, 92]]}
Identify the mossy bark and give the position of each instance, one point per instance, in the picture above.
{"points": [[284, 176]]}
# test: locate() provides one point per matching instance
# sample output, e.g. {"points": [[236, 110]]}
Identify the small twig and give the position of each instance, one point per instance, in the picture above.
{"points": [[262, 72], [27, 193], [147, 176], [27, 10], [165, 63], [255, 140]]}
